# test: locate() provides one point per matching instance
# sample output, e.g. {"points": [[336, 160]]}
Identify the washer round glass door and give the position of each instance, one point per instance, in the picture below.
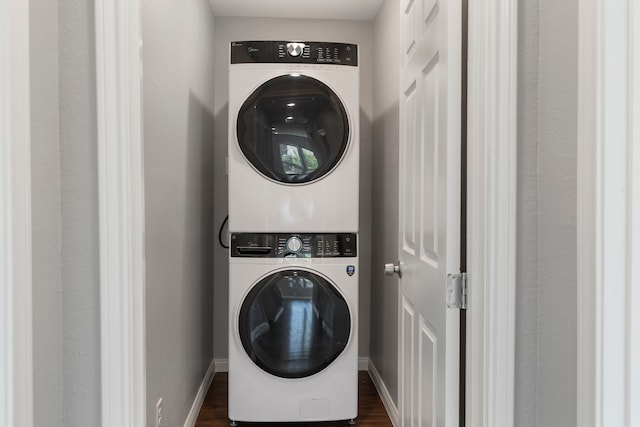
{"points": [[293, 129], [294, 323]]}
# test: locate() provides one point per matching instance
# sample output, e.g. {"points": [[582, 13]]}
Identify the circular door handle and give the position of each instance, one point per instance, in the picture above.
{"points": [[391, 269]]}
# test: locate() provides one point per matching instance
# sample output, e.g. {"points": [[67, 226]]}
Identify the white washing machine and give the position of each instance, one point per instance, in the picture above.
{"points": [[293, 342], [293, 137]]}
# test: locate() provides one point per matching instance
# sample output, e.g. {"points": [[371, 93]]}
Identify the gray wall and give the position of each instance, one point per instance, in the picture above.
{"points": [[178, 95], [231, 28], [557, 166], [79, 191], [384, 289], [546, 307], [65, 215], [526, 363], [46, 223]]}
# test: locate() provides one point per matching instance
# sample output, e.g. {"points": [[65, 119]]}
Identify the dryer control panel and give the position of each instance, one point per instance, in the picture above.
{"points": [[295, 245], [297, 52]]}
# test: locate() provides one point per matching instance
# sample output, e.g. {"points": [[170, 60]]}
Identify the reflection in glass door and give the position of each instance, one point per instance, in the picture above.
{"points": [[293, 129], [294, 323]]}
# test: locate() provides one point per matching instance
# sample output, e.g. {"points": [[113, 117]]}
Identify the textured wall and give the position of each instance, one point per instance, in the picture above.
{"points": [[229, 29], [79, 190], [384, 289], [526, 368], [557, 160], [45, 199], [546, 297], [178, 90]]}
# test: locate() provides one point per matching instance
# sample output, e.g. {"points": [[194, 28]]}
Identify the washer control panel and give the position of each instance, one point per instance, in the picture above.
{"points": [[296, 245], [249, 52]]}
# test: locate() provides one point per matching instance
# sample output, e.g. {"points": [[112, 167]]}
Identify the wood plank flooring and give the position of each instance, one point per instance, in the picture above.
{"points": [[371, 412]]}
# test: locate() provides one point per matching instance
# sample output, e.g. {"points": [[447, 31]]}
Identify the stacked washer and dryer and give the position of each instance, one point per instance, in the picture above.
{"points": [[293, 223]]}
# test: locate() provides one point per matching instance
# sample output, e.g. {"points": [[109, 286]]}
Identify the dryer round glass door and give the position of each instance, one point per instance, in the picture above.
{"points": [[294, 323], [293, 129]]}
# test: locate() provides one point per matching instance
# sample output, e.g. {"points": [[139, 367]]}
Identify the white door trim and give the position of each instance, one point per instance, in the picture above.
{"points": [[16, 317], [491, 212], [608, 214], [121, 189]]}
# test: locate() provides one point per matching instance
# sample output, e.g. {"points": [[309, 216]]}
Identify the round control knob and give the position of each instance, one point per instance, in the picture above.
{"points": [[295, 49], [294, 244]]}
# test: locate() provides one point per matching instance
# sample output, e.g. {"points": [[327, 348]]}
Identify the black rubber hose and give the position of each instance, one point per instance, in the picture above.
{"points": [[226, 218]]}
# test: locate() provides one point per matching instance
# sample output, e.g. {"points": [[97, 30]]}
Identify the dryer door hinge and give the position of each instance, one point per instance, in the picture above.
{"points": [[457, 291]]}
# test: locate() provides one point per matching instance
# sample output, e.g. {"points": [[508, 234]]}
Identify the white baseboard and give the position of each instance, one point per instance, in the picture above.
{"points": [[387, 401], [202, 392], [222, 365]]}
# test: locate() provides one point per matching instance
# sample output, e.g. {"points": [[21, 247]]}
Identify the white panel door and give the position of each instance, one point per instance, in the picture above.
{"points": [[429, 198]]}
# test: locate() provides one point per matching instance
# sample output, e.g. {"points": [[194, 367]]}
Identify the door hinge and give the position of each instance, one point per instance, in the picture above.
{"points": [[457, 291]]}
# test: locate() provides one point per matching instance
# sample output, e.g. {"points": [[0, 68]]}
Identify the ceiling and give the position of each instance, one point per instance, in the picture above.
{"points": [[359, 10]]}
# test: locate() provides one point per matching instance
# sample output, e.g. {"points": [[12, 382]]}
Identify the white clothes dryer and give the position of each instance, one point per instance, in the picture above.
{"points": [[293, 341], [293, 137]]}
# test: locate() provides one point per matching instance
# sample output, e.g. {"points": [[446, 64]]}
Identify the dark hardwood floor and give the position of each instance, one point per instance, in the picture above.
{"points": [[371, 412]]}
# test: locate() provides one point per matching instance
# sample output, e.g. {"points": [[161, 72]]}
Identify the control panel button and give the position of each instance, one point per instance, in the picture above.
{"points": [[294, 244], [295, 49]]}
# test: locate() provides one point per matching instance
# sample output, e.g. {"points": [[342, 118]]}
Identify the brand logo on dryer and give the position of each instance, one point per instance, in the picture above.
{"points": [[351, 270]]}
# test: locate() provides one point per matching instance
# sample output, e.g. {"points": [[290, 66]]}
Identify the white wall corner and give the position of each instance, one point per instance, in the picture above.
{"points": [[608, 214], [121, 212], [385, 396], [192, 417], [16, 324], [363, 363], [492, 161]]}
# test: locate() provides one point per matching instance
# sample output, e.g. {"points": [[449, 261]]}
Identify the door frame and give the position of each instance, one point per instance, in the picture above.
{"points": [[608, 382], [491, 212], [16, 312], [121, 212]]}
